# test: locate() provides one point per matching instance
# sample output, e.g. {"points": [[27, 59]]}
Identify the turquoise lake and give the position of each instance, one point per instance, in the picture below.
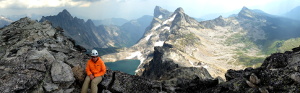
{"points": [[127, 66]]}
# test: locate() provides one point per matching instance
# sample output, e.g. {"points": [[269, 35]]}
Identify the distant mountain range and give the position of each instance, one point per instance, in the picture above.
{"points": [[294, 13], [219, 44], [136, 28], [234, 42], [4, 21], [82, 32], [111, 21], [215, 15], [89, 35]]}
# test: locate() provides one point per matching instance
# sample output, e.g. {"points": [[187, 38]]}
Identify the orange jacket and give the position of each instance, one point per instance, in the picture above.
{"points": [[97, 69]]}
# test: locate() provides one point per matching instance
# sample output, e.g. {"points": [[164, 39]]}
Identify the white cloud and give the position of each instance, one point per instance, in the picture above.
{"points": [[42, 3], [132, 9], [5, 3], [194, 8]]}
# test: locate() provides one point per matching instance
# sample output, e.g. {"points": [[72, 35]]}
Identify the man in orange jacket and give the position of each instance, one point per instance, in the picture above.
{"points": [[95, 69]]}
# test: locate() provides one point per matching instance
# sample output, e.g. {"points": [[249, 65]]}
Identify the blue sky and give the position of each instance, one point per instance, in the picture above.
{"points": [[133, 9]]}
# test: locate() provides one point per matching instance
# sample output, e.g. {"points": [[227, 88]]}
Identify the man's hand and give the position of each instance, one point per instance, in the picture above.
{"points": [[92, 77]]}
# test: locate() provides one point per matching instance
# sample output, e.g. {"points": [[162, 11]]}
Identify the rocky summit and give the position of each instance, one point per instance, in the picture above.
{"points": [[35, 57]]}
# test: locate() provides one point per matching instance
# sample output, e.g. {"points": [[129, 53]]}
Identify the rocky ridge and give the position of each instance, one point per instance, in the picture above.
{"points": [[98, 36]]}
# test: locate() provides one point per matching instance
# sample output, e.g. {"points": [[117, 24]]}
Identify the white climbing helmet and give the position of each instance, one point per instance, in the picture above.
{"points": [[94, 52]]}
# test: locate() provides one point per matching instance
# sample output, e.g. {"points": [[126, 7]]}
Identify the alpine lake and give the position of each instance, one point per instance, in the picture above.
{"points": [[127, 66]]}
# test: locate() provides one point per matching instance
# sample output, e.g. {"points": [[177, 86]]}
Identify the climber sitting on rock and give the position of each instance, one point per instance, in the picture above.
{"points": [[95, 69]]}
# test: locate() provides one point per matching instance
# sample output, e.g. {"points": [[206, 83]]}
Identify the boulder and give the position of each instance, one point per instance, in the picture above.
{"points": [[60, 56], [116, 81], [40, 57], [61, 73], [79, 73], [296, 77], [50, 87], [278, 73]]}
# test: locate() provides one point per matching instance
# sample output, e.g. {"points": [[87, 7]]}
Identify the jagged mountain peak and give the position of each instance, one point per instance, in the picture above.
{"points": [[245, 8], [65, 13], [220, 17], [183, 19], [90, 22], [246, 12], [161, 13], [252, 14], [179, 10]]}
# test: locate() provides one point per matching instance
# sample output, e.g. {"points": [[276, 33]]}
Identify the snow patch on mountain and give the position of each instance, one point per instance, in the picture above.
{"points": [[148, 36], [170, 19], [157, 26], [159, 43], [166, 28], [160, 16], [5, 19], [134, 54]]}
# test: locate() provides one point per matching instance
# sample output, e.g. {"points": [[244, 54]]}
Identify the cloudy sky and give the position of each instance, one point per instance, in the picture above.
{"points": [[133, 9]]}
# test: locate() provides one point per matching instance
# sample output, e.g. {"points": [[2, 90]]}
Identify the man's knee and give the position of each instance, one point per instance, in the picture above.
{"points": [[87, 78], [96, 81]]}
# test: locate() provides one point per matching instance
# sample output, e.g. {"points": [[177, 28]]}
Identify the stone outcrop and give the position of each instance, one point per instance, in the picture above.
{"points": [[35, 57], [62, 73], [163, 67], [278, 73], [115, 81]]}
